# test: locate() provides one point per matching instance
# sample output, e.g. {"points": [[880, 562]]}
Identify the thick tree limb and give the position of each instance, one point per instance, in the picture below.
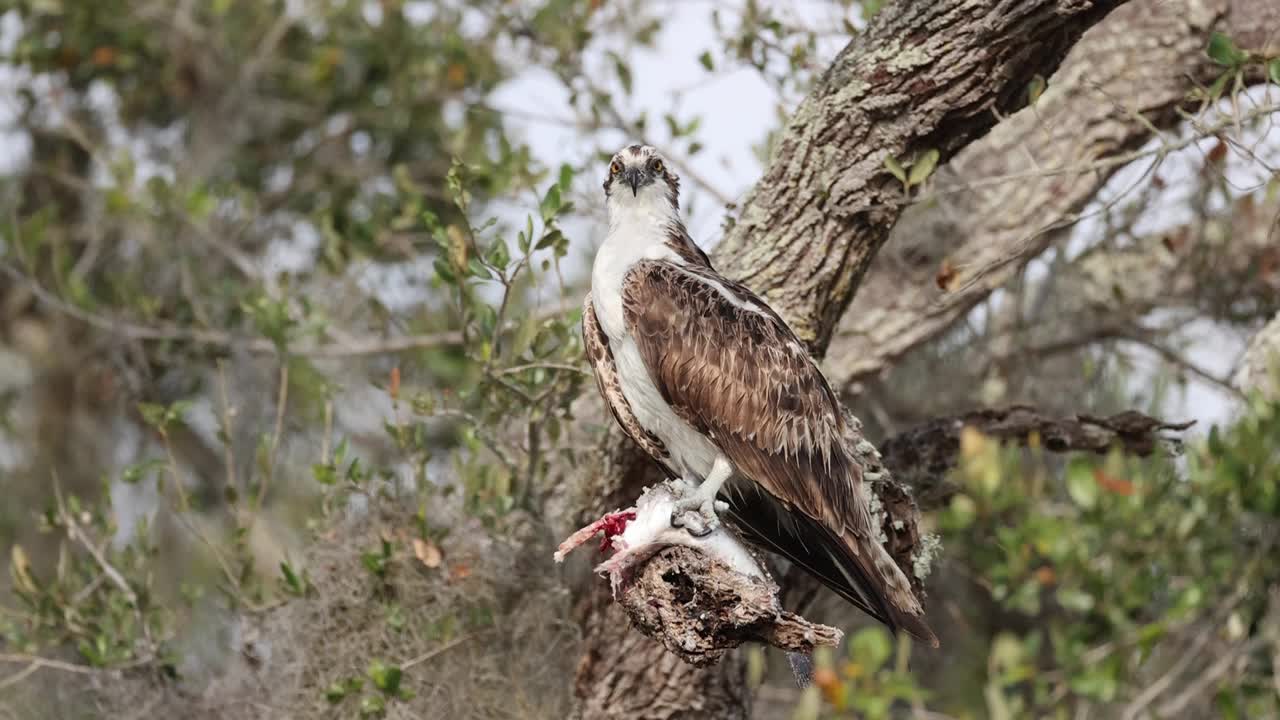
{"points": [[924, 456], [924, 76], [1140, 294], [1032, 176]]}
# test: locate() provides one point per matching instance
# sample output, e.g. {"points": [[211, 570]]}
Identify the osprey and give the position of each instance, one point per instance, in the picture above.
{"points": [[714, 386]]}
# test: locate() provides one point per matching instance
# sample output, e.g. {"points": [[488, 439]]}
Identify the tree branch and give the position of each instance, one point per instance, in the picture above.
{"points": [[1004, 200], [700, 608], [922, 457], [160, 332]]}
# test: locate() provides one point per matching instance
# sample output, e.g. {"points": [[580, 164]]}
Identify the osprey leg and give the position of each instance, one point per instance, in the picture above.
{"points": [[703, 499]]}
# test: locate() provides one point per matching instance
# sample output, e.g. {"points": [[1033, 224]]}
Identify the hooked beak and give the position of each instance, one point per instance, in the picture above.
{"points": [[632, 176]]}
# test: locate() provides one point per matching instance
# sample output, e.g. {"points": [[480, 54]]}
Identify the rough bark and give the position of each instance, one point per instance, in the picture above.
{"points": [[923, 457], [924, 76], [700, 608], [1029, 179]]}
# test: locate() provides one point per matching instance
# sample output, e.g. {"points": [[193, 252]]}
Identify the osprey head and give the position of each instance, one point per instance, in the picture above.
{"points": [[638, 173]]}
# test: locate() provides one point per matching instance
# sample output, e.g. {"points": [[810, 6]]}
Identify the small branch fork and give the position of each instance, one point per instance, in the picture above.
{"points": [[73, 527]]}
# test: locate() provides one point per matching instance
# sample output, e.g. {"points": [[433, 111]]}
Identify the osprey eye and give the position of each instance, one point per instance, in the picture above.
{"points": [[657, 166], [615, 167]]}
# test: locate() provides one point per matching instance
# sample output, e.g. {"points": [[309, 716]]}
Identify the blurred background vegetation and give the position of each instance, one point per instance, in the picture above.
{"points": [[290, 374]]}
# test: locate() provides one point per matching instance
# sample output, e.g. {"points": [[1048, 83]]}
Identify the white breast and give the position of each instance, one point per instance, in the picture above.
{"points": [[620, 252], [692, 453]]}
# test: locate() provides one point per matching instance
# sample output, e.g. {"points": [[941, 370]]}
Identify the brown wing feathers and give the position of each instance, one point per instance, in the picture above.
{"points": [[731, 368]]}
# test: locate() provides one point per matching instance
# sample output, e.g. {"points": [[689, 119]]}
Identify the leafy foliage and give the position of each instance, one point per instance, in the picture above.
{"points": [[1095, 578]]}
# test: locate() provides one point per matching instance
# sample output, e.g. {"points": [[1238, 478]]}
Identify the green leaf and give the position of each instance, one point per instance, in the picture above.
{"points": [[1223, 50], [1081, 486], [963, 510], [294, 584], [475, 268], [673, 126], [152, 413], [1273, 69], [161, 417], [201, 203], [550, 202], [1191, 597], [870, 647], [548, 239], [372, 706], [707, 63], [895, 167], [377, 561], [499, 255], [324, 473], [623, 70], [444, 271], [566, 178], [1097, 681], [1074, 599], [335, 693], [136, 472], [385, 677], [923, 167], [1006, 651]]}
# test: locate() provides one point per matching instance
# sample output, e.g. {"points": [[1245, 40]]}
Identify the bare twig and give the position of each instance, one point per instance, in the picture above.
{"points": [[21, 675], [71, 524], [325, 438], [1153, 691], [1177, 360], [1196, 689], [34, 663], [184, 505], [282, 399], [160, 332], [545, 366], [228, 451], [437, 651]]}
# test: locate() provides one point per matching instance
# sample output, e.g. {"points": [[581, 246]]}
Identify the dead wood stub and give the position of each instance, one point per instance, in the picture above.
{"points": [[699, 608]]}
